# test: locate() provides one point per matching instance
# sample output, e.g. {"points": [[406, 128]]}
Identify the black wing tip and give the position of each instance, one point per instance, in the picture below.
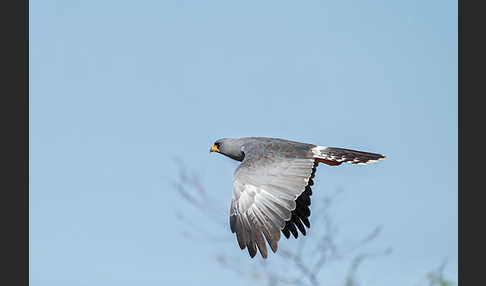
{"points": [[252, 254], [251, 249], [286, 232], [298, 223], [232, 222], [301, 213], [305, 221]]}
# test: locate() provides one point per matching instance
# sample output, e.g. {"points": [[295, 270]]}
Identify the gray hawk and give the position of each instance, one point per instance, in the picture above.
{"points": [[272, 186]]}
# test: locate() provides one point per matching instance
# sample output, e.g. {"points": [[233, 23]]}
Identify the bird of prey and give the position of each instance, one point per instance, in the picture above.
{"points": [[272, 186]]}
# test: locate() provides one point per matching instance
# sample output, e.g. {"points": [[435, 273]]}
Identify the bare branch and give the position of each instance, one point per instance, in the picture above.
{"points": [[300, 266]]}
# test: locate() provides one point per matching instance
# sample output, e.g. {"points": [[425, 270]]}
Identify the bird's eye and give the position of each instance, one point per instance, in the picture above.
{"points": [[217, 144]]}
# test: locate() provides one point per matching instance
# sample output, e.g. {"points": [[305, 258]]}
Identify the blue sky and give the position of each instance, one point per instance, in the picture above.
{"points": [[118, 88]]}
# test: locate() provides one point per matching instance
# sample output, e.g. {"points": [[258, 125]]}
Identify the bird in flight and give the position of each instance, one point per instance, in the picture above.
{"points": [[272, 186]]}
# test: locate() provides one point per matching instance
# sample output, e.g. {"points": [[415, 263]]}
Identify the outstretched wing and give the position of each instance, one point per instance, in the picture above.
{"points": [[265, 189]]}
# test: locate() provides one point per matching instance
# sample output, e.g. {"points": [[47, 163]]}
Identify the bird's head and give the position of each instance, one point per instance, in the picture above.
{"points": [[229, 147]]}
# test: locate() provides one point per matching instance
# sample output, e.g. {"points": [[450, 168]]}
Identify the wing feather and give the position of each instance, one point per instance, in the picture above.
{"points": [[270, 231], [264, 199]]}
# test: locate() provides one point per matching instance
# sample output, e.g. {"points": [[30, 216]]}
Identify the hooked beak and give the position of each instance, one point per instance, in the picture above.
{"points": [[214, 149]]}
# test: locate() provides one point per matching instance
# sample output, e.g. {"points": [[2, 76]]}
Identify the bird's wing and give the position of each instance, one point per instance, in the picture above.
{"points": [[265, 189]]}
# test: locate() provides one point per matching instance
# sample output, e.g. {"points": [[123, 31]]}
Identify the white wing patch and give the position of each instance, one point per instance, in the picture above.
{"points": [[263, 200]]}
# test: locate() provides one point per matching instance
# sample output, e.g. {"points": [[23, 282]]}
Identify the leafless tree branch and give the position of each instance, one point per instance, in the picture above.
{"points": [[298, 266]]}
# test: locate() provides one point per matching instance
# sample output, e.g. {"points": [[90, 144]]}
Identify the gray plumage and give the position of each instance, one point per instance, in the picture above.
{"points": [[272, 186]]}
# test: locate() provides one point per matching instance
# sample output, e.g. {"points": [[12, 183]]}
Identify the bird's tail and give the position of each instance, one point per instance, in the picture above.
{"points": [[336, 156]]}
